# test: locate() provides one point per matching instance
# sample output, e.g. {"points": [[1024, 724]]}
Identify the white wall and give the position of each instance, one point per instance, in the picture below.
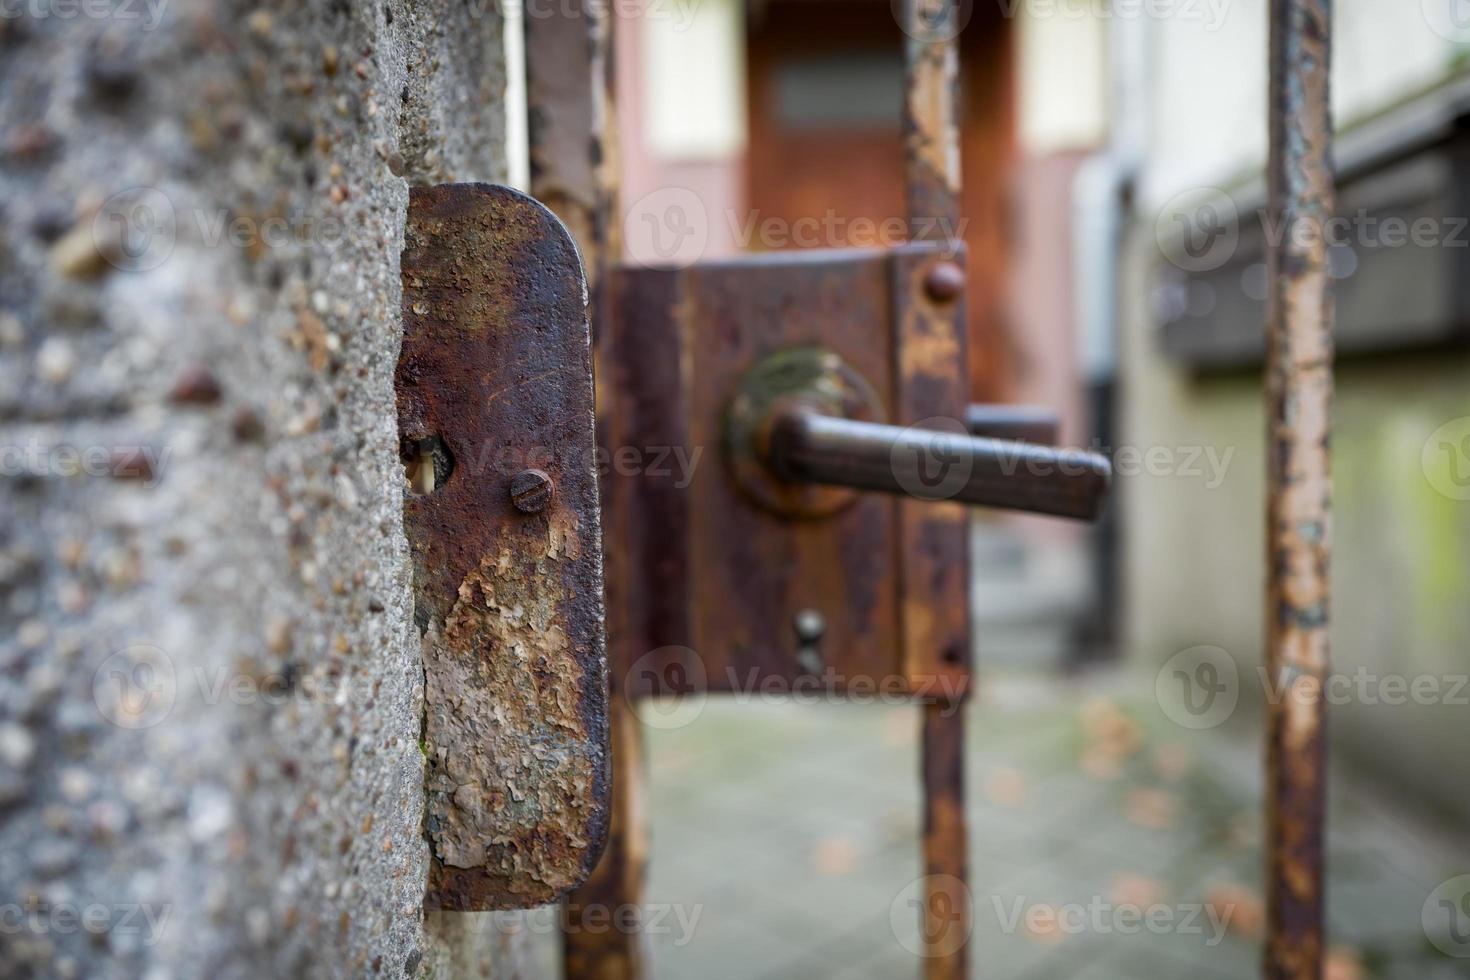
{"points": [[1209, 93], [1063, 76]]}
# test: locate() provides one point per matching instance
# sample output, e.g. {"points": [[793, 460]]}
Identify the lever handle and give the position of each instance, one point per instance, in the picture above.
{"points": [[805, 445], [1035, 424]]}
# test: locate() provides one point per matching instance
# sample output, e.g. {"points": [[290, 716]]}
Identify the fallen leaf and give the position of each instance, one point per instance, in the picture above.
{"points": [[1138, 890], [1239, 907], [1155, 809], [1100, 764], [835, 856], [1109, 729], [1172, 761], [1042, 924], [1006, 787], [1343, 963]]}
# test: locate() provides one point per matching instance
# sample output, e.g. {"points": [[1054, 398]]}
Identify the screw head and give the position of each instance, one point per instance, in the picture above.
{"points": [[810, 626], [944, 281], [530, 491]]}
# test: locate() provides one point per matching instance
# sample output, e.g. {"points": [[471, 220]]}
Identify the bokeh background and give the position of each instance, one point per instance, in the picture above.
{"points": [[1113, 156], [238, 530]]}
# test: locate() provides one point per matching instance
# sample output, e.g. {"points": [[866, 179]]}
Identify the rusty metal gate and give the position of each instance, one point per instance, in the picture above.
{"points": [[831, 542]]}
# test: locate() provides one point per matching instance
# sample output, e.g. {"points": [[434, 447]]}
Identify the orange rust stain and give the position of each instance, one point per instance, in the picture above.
{"points": [[508, 768]]}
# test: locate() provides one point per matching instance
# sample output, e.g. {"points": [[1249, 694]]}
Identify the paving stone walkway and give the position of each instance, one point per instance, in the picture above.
{"points": [[1107, 844]]}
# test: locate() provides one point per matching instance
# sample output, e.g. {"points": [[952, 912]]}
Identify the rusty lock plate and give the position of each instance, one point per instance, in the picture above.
{"points": [[739, 584], [495, 416]]}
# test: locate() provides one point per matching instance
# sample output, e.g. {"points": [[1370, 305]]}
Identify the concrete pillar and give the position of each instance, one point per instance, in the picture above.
{"points": [[210, 682]]}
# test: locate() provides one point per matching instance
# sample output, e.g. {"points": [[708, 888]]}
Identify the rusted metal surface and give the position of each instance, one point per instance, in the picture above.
{"points": [[531, 490], [571, 128], [724, 561], [934, 546], [1299, 401], [729, 581], [574, 155], [734, 587], [806, 378], [724, 550], [802, 434], [561, 118], [930, 389], [934, 627], [593, 950], [931, 118], [944, 282], [647, 505], [717, 570], [495, 371], [946, 923]]}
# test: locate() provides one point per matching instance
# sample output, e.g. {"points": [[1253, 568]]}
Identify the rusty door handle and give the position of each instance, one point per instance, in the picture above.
{"points": [[806, 445], [805, 429]]}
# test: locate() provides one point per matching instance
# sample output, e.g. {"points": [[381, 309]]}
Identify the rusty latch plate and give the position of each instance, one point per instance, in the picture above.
{"points": [[724, 570], [495, 415]]}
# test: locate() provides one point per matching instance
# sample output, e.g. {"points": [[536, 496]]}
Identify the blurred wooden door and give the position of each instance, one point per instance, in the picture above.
{"points": [[825, 161]]}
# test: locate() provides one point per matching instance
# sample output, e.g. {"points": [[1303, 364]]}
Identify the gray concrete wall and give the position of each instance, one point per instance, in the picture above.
{"points": [[1194, 557], [210, 687]]}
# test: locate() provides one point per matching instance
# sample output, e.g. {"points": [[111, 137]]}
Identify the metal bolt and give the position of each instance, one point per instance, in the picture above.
{"points": [[530, 491], [810, 627], [944, 281]]}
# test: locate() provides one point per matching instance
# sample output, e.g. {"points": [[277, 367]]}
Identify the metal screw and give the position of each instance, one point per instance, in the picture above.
{"points": [[944, 282], [810, 627], [530, 491]]}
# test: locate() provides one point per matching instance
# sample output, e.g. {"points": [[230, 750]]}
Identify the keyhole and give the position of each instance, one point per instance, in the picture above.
{"points": [[427, 463], [810, 627]]}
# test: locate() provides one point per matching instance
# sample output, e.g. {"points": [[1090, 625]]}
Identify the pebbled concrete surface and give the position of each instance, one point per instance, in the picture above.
{"points": [[210, 686]]}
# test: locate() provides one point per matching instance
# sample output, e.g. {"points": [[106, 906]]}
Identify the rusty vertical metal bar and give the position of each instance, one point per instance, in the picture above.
{"points": [[570, 125], [573, 146], [933, 537], [596, 943], [931, 141], [1299, 489]]}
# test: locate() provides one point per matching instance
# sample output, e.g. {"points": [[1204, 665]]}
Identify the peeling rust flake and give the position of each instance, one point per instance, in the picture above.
{"points": [[495, 379]]}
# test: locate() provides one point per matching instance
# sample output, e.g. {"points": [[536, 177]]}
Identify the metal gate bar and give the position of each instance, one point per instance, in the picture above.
{"points": [[1299, 489], [941, 641], [569, 96], [573, 147]]}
